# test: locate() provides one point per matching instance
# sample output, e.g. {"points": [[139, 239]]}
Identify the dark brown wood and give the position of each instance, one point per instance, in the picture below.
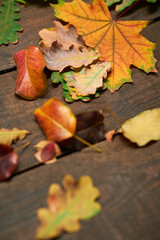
{"points": [[127, 176]]}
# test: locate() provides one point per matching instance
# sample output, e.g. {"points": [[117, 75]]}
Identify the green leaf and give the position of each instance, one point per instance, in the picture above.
{"points": [[124, 4], [21, 1], [8, 26], [66, 79]]}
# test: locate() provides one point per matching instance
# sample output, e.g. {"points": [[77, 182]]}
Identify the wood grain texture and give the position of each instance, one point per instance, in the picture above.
{"points": [[131, 99], [128, 178]]}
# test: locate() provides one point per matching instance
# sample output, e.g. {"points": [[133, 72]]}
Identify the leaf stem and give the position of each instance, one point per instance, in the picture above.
{"points": [[87, 143], [126, 10], [21, 147], [109, 109]]}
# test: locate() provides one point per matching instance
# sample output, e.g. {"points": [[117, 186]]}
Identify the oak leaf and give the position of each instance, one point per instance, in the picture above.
{"points": [[8, 161], [66, 36], [66, 78], [142, 128], [118, 42], [47, 151], [31, 80], [8, 26], [56, 120], [88, 82], [57, 59], [8, 136], [67, 206]]}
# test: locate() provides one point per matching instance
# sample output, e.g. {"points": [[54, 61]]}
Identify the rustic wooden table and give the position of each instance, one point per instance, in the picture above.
{"points": [[128, 177]]}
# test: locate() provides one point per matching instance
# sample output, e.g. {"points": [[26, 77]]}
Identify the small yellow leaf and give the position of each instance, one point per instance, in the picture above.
{"points": [[88, 82], [8, 136], [143, 128], [66, 207]]}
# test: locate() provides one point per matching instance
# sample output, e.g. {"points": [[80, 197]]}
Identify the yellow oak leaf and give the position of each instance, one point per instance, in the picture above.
{"points": [[118, 42], [88, 82], [8, 136], [143, 128], [67, 206]]}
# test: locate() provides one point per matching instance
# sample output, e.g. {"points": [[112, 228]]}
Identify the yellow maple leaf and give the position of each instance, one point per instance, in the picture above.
{"points": [[118, 42]]}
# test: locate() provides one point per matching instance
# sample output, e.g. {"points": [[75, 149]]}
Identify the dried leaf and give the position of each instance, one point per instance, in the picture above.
{"points": [[8, 136], [92, 79], [8, 161], [8, 26], [66, 78], [90, 127], [47, 151], [66, 36], [31, 81], [143, 128], [57, 59], [124, 4], [109, 135], [66, 207], [56, 120], [118, 42]]}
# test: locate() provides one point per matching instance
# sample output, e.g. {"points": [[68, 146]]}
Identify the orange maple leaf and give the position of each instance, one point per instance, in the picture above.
{"points": [[118, 42]]}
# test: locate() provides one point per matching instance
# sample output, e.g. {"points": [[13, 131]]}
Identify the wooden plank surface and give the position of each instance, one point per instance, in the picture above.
{"points": [[128, 101], [128, 178]]}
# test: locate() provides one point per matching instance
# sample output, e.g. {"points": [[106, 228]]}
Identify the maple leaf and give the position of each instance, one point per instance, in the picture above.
{"points": [[47, 151], [31, 80], [56, 120], [124, 4], [8, 27], [143, 128], [8, 161], [118, 42], [64, 35], [66, 207], [8, 136], [57, 59], [88, 82]]}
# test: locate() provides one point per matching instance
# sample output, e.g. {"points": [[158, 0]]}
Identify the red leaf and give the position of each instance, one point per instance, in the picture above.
{"points": [[31, 81], [48, 152], [8, 161]]}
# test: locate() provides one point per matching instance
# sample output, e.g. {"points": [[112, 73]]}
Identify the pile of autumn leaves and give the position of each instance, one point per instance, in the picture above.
{"points": [[82, 52]]}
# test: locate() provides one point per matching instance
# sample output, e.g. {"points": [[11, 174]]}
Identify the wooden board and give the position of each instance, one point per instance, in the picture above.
{"points": [[128, 178]]}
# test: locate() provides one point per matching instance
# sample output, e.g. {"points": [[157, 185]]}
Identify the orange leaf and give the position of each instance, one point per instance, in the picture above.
{"points": [[56, 120], [119, 42], [31, 81]]}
